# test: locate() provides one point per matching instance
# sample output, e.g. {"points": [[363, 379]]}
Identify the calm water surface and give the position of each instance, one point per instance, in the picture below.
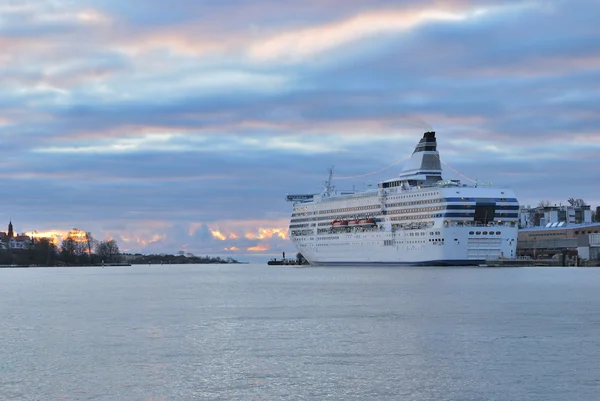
{"points": [[253, 332]]}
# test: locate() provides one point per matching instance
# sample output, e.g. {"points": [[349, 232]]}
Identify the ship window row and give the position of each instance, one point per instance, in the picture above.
{"points": [[484, 233], [473, 206], [398, 204], [302, 232], [413, 195], [472, 223], [407, 242], [391, 184], [485, 200], [471, 213], [330, 219], [413, 226], [302, 214], [329, 223], [385, 243], [347, 229], [349, 209], [416, 210], [299, 225], [302, 220], [427, 201], [352, 243], [448, 200], [416, 217]]}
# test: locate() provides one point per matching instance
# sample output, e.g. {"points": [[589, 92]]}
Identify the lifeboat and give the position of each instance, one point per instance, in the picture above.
{"points": [[367, 222], [339, 223], [353, 222]]}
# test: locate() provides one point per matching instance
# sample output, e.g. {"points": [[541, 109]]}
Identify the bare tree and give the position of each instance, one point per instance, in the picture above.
{"points": [[544, 203], [108, 250], [68, 250], [44, 252], [576, 202], [77, 246], [90, 243]]}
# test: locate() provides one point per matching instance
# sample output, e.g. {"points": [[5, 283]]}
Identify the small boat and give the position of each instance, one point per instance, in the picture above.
{"points": [[339, 223]]}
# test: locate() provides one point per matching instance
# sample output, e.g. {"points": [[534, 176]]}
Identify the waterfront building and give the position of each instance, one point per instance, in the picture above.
{"points": [[8, 239], [560, 238], [554, 215], [589, 248], [565, 231]]}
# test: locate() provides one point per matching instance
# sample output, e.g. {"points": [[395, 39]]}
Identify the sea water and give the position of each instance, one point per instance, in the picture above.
{"points": [[254, 332]]}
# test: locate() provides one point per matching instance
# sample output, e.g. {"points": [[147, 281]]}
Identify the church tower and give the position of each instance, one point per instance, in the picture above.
{"points": [[10, 230]]}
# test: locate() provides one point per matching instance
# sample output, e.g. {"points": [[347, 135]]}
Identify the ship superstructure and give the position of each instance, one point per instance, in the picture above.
{"points": [[416, 218]]}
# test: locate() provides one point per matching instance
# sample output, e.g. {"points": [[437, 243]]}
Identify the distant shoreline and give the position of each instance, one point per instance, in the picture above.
{"points": [[117, 265], [40, 266]]}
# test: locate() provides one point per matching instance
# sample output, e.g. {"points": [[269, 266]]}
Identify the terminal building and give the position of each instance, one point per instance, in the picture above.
{"points": [[564, 232]]}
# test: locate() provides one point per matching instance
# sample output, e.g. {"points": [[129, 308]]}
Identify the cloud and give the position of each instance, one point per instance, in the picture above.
{"points": [[160, 124], [297, 45]]}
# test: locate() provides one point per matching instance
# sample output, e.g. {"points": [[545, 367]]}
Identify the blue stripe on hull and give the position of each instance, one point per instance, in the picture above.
{"points": [[463, 262]]}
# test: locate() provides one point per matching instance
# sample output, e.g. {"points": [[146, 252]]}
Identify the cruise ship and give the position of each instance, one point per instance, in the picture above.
{"points": [[417, 218]]}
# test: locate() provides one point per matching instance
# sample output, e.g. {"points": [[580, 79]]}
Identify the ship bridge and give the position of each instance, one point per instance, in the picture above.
{"points": [[299, 197]]}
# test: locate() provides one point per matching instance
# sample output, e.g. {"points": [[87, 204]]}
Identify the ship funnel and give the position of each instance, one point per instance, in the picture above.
{"points": [[424, 166]]}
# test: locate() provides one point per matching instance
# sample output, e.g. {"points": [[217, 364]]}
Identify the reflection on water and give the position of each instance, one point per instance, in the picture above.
{"points": [[252, 332]]}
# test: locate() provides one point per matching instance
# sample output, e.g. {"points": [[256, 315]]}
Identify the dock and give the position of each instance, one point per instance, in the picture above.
{"points": [[524, 262], [281, 262]]}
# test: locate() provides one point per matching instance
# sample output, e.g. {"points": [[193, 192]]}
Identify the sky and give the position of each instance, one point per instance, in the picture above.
{"points": [[181, 125]]}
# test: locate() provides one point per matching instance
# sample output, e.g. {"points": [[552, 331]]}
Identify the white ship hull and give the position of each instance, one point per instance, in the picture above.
{"points": [[416, 219]]}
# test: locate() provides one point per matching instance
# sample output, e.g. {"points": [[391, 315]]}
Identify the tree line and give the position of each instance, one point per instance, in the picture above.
{"points": [[179, 259], [77, 248]]}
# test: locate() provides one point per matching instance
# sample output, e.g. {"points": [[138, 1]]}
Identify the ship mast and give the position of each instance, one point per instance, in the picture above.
{"points": [[329, 188]]}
